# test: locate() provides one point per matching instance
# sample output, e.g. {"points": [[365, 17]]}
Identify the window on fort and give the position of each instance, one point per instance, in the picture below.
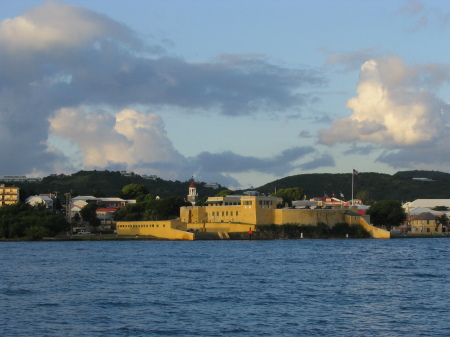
{"points": [[222, 213], [231, 213], [227, 213], [237, 213]]}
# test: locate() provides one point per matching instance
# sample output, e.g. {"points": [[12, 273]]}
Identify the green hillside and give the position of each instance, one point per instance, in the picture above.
{"points": [[109, 184], [399, 186]]}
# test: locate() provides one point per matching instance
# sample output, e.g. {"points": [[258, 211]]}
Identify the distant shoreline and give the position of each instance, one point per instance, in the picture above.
{"points": [[109, 237]]}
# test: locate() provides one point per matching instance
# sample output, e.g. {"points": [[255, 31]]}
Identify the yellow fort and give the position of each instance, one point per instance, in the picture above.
{"points": [[241, 213]]}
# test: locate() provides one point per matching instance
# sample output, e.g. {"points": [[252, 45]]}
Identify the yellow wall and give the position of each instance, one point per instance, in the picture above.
{"points": [[312, 216], [254, 210], [220, 227], [243, 213], [375, 232], [425, 227], [161, 229]]}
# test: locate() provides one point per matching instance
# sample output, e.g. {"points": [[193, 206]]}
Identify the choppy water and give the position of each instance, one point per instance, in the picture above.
{"points": [[226, 288]]}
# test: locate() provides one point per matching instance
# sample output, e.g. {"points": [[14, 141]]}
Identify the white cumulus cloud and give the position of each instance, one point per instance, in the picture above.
{"points": [[57, 26], [128, 138], [390, 109]]}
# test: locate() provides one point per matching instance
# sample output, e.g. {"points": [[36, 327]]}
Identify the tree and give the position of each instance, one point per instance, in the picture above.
{"points": [[145, 198], [441, 220], [133, 191], [22, 219], [202, 202], [290, 194], [57, 204], [388, 213], [163, 209], [169, 208], [440, 208], [98, 193], [365, 197], [89, 214], [224, 193]]}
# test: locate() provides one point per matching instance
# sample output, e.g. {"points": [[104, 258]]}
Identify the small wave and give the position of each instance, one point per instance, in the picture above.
{"points": [[234, 330], [16, 292], [426, 275], [48, 304]]}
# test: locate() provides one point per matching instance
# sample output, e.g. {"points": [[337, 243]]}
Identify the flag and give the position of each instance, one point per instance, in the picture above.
{"points": [[325, 195], [342, 195], [355, 172], [334, 195]]}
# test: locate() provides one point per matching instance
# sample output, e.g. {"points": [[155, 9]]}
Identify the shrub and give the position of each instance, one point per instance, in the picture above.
{"points": [[319, 231], [36, 232]]}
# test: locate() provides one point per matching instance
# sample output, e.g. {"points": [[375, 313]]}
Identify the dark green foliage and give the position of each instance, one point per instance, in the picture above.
{"points": [[36, 232], [364, 196], [57, 204], [98, 193], [290, 194], [110, 183], [441, 220], [387, 213], [202, 202], [163, 209], [321, 231], [440, 208], [133, 191], [89, 214], [224, 193], [399, 186], [342, 229], [23, 220]]}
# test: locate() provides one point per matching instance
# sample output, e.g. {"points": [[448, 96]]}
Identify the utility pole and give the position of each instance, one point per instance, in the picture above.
{"points": [[68, 207], [56, 198]]}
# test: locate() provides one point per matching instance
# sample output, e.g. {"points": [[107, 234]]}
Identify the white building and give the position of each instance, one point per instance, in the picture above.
{"points": [[426, 203], [39, 199]]}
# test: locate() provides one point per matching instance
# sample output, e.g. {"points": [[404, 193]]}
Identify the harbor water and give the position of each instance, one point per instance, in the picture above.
{"points": [[397, 287]]}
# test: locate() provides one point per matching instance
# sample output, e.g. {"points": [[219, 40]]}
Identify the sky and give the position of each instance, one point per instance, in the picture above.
{"points": [[239, 93]]}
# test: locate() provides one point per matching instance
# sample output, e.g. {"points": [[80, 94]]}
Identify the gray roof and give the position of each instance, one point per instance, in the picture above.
{"points": [[419, 210], [425, 216]]}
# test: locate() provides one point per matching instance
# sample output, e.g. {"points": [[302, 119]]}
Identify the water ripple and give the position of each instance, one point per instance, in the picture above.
{"points": [[226, 288]]}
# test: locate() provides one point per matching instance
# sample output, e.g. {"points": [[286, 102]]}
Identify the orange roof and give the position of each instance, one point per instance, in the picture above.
{"points": [[192, 184], [106, 210]]}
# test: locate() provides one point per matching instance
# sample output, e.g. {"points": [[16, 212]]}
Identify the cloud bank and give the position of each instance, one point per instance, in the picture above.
{"points": [[396, 110], [71, 74]]}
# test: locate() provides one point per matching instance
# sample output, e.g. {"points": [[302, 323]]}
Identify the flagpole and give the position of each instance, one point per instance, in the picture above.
{"points": [[353, 177]]}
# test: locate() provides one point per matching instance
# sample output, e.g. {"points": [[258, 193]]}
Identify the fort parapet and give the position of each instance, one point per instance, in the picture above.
{"points": [[235, 213]]}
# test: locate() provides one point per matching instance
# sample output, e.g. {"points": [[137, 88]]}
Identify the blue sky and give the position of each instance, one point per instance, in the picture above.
{"points": [[235, 92]]}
